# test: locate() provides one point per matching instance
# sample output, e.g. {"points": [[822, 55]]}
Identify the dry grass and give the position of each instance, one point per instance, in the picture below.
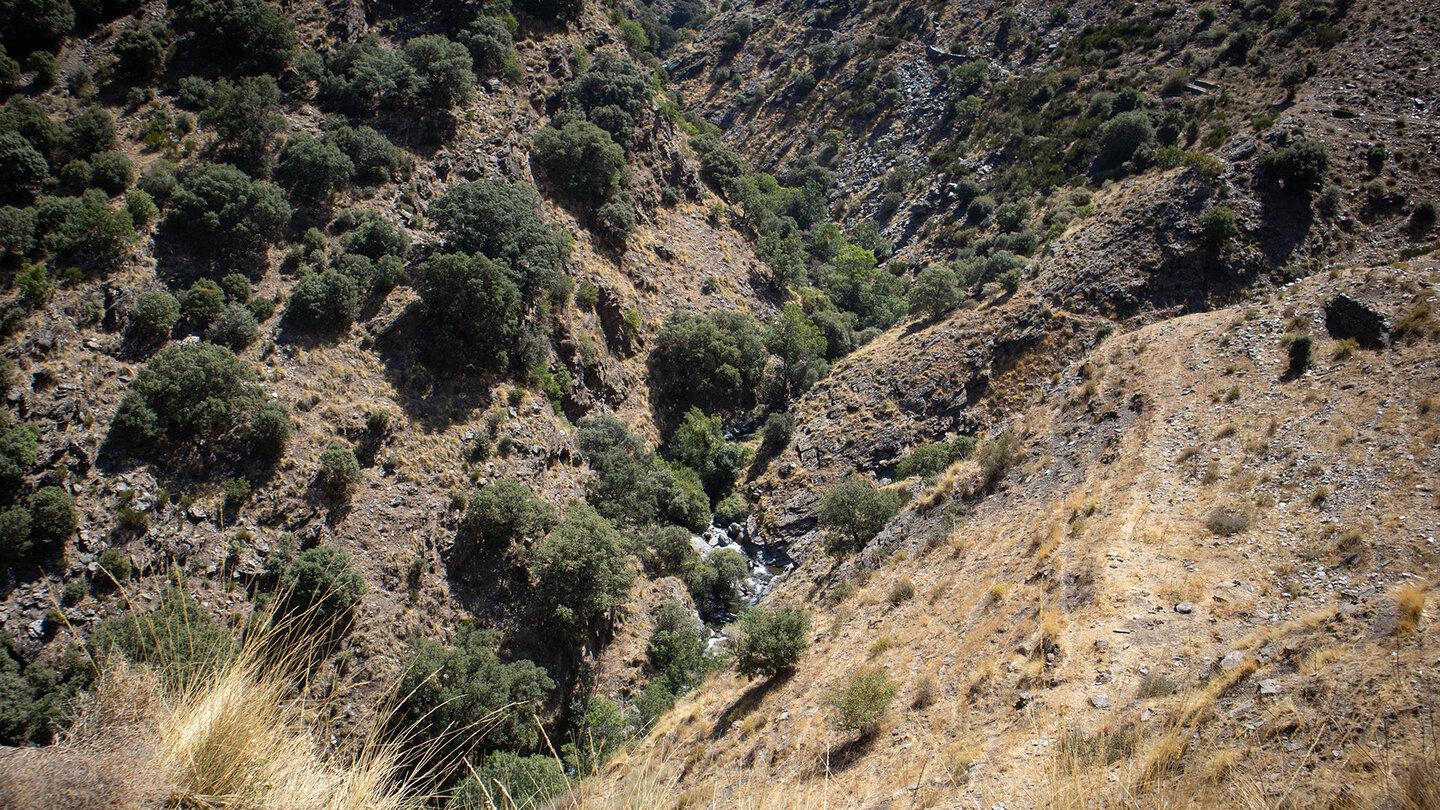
{"points": [[1409, 606]]}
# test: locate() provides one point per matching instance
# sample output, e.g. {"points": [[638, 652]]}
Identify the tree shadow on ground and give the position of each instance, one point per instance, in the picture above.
{"points": [[748, 702], [432, 397]]}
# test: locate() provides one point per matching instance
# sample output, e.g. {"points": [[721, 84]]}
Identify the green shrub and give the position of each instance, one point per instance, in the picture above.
{"points": [[218, 208], [1301, 167], [15, 544], [313, 169], [246, 116], [328, 301], [156, 312], [861, 700], [528, 781], [91, 132], [1301, 352], [178, 640], [492, 48], [187, 389], [853, 512], [499, 220], [255, 32], [699, 443], [202, 304], [52, 517], [139, 54], [581, 570], [17, 230], [22, 167], [770, 641], [731, 509], [779, 427], [1127, 138], [449, 692], [141, 207], [87, 230], [375, 158], [473, 308], [111, 172], [672, 549], [933, 459], [18, 452], [443, 72], [115, 564], [319, 589], [375, 238], [236, 491], [715, 361], [269, 430], [505, 512], [935, 291], [1218, 227], [676, 648], [339, 470]]}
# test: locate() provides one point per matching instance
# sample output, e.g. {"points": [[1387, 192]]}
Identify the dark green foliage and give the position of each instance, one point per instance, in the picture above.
{"points": [[612, 80], [219, 208], [529, 781], [672, 550], [36, 699], [700, 444], [469, 701], [22, 167], [376, 159], [245, 115], [235, 328], [52, 518], [714, 361], [17, 453], [236, 288], [376, 238], [442, 70], [720, 164], [111, 172], [202, 304], [677, 647], [505, 512], [187, 389], [860, 701], [1301, 351], [561, 10], [853, 512], [139, 54], [141, 207], [254, 32], [499, 220], [779, 427], [838, 329], [313, 169], [193, 93], [90, 132], [935, 291], [616, 218], [770, 641], [9, 72], [339, 470], [15, 542], [156, 311], [32, 23], [319, 589], [473, 308], [677, 494], [30, 121], [17, 230], [327, 301], [1217, 226], [1128, 138], [269, 430], [801, 347], [933, 459], [428, 71], [857, 285], [87, 230], [178, 640], [1301, 167], [582, 571], [492, 49]]}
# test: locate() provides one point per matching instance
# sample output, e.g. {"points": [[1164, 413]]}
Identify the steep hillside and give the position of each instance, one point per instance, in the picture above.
{"points": [[874, 404], [1199, 584]]}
